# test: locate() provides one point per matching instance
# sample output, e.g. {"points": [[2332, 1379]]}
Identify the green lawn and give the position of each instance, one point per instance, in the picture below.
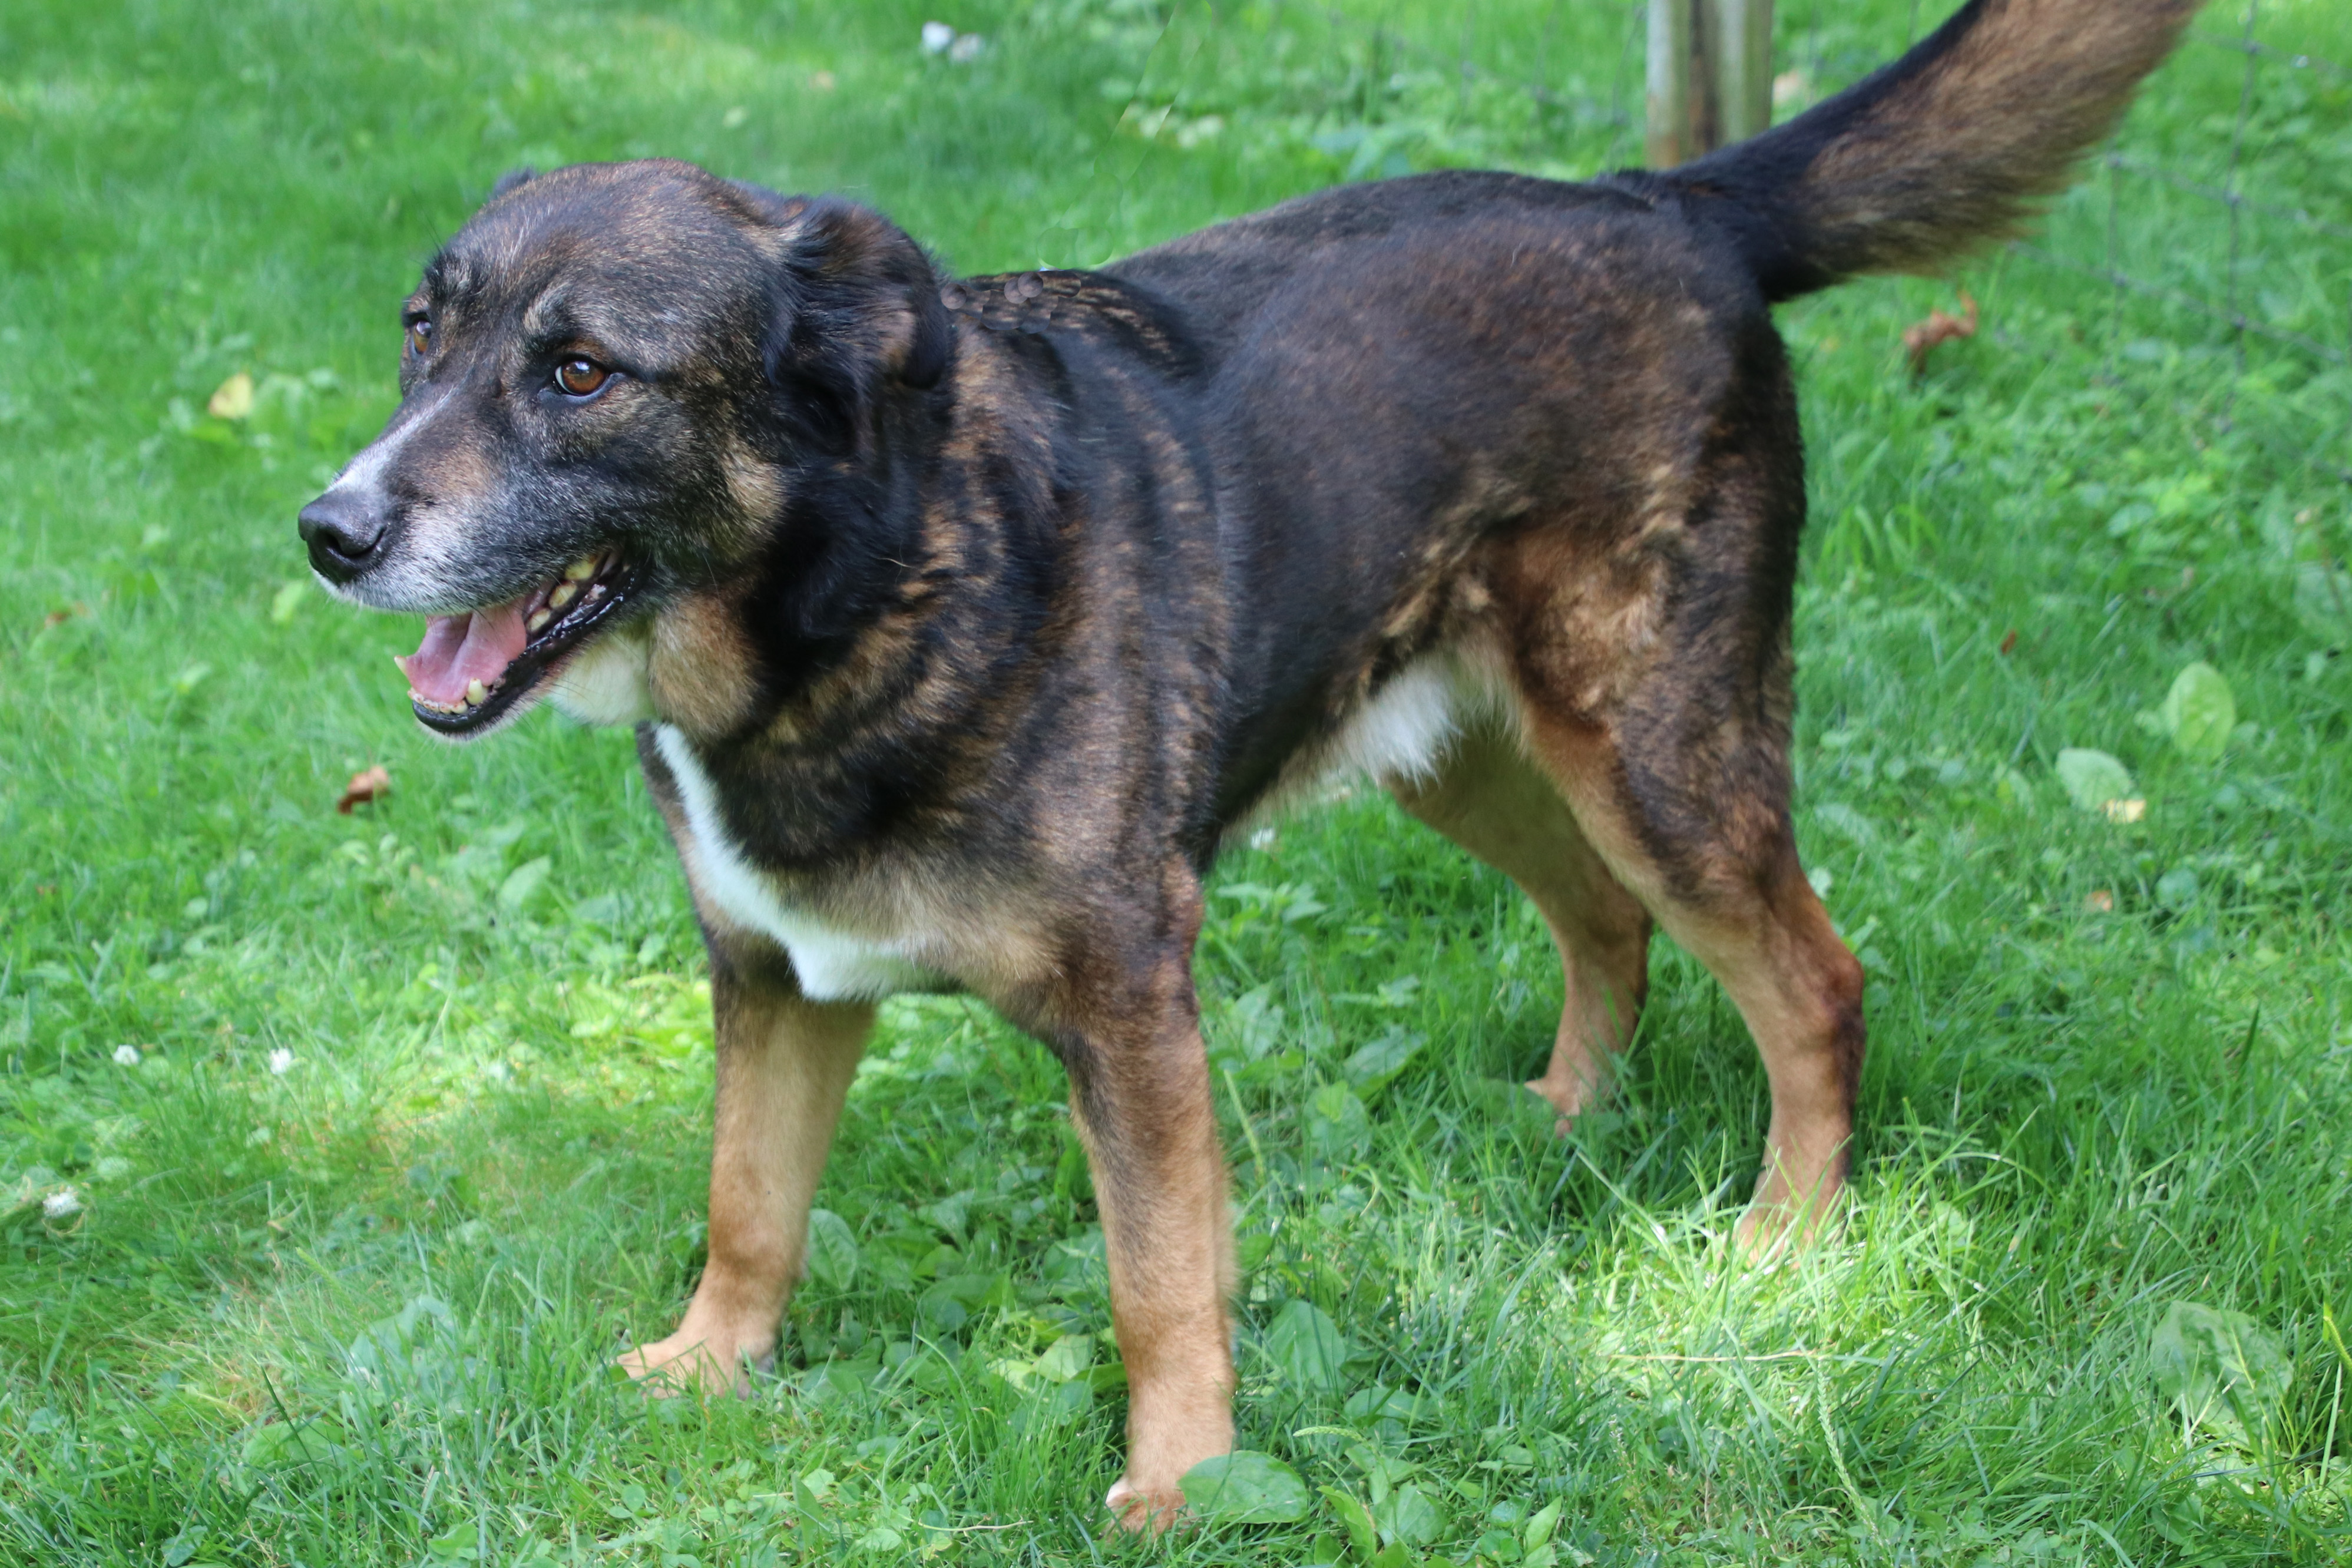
{"points": [[337, 1153]]}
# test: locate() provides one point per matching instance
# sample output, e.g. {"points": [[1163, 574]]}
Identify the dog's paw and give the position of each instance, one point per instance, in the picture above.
{"points": [[678, 1366], [1779, 1228], [1569, 1094], [1139, 1509], [1562, 1125]]}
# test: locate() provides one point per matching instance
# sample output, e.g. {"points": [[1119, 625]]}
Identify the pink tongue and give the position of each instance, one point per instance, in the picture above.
{"points": [[459, 650]]}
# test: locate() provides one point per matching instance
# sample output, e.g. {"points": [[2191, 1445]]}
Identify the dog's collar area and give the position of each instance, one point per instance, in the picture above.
{"points": [[544, 627]]}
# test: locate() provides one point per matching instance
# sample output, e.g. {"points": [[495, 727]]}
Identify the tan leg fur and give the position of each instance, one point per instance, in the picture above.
{"points": [[1756, 923], [1488, 798], [784, 1065], [1128, 1026]]}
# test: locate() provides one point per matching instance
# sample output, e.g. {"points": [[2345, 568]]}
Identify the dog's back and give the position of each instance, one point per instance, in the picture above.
{"points": [[1401, 370]]}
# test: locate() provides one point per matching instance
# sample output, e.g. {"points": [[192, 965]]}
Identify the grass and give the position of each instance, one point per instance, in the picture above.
{"points": [[326, 1266]]}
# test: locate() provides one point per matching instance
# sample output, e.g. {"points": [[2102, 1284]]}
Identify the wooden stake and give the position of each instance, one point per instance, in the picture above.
{"points": [[1744, 68], [1672, 27], [1710, 76]]}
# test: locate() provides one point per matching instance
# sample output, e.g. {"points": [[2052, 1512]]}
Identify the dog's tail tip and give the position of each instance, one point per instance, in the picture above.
{"points": [[1951, 147]]}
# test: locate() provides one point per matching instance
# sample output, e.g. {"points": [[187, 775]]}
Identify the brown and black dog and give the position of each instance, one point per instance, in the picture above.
{"points": [[961, 620]]}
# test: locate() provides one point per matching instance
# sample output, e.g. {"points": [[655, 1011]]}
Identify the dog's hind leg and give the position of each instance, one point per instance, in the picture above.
{"points": [[784, 1066], [1488, 798], [1726, 883], [1654, 675]]}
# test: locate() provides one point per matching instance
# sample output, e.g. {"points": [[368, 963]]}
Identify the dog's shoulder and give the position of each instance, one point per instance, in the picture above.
{"points": [[1056, 301]]}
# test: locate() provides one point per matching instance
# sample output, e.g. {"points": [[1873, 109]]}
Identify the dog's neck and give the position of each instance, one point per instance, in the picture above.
{"points": [[852, 681]]}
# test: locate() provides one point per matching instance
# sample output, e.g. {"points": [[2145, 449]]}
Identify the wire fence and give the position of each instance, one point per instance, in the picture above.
{"points": [[2206, 227], [2283, 278], [2237, 209]]}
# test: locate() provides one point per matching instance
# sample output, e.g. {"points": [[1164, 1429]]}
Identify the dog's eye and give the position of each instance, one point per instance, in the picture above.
{"points": [[580, 377], [420, 336]]}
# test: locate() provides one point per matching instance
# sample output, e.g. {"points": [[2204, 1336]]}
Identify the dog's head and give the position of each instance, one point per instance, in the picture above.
{"points": [[612, 380]]}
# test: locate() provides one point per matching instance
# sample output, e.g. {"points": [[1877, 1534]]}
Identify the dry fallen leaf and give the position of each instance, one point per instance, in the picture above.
{"points": [[1921, 337], [2130, 810], [56, 618], [373, 784], [2100, 903], [2009, 643], [232, 399]]}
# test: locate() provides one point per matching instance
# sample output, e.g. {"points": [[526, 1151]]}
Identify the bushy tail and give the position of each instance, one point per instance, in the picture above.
{"points": [[1950, 147]]}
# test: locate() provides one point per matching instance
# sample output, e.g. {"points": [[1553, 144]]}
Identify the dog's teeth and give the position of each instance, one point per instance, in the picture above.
{"points": [[476, 693], [566, 592], [539, 620], [581, 571]]}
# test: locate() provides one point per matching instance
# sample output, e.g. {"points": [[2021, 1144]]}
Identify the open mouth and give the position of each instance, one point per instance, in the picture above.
{"points": [[474, 669]]}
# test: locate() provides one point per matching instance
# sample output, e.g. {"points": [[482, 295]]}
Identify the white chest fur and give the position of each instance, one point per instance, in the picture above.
{"points": [[833, 965]]}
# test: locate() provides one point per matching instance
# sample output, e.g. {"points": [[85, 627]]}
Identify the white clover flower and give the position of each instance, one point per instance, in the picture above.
{"points": [[63, 1204], [281, 1060], [126, 1056], [1262, 839], [937, 37]]}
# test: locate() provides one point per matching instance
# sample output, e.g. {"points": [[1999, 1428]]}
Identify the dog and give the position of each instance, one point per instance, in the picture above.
{"points": [[961, 620]]}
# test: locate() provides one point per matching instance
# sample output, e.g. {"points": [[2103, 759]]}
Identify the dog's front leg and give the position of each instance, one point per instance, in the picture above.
{"points": [[784, 1065], [1140, 1097]]}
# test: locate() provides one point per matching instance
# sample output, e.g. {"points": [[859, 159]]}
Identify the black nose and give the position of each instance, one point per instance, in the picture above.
{"points": [[342, 529]]}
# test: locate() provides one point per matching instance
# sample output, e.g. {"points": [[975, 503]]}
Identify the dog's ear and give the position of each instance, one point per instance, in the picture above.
{"points": [[858, 318], [511, 180]]}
